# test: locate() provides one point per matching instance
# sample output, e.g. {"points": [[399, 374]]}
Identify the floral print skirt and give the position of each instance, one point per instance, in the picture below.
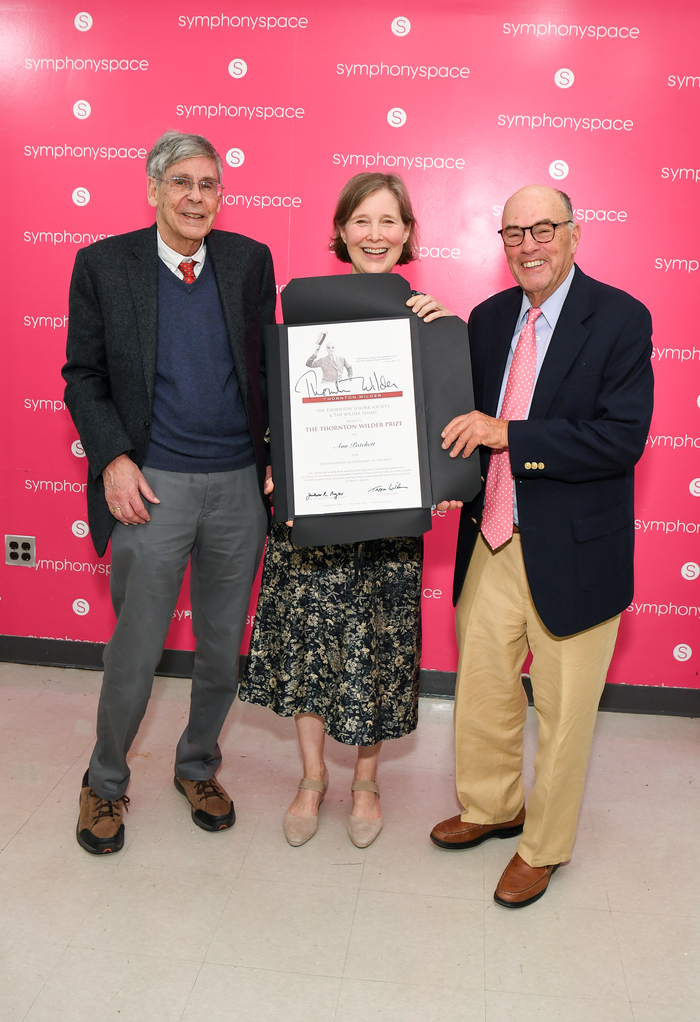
{"points": [[337, 633]]}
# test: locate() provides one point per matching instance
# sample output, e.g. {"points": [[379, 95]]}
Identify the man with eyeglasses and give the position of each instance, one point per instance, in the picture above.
{"points": [[563, 378], [165, 381]]}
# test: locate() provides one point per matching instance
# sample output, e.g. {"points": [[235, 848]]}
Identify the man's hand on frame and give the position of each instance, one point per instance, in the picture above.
{"points": [[466, 432]]}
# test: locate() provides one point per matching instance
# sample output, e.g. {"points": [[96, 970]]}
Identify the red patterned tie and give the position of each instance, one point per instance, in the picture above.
{"points": [[497, 521], [186, 268]]}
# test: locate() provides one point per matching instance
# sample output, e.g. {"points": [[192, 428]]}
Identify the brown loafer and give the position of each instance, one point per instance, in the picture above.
{"points": [[212, 809], [522, 884], [453, 833]]}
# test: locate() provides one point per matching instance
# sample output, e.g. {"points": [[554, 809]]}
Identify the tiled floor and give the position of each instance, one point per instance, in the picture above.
{"points": [[185, 926]]}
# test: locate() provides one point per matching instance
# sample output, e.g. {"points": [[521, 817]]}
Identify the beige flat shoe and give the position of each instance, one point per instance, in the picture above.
{"points": [[363, 832], [299, 829]]}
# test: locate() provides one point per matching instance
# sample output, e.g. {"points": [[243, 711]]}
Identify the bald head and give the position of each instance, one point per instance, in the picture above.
{"points": [[540, 267], [541, 195]]}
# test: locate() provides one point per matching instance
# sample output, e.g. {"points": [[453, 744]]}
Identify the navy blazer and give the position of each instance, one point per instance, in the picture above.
{"points": [[573, 458], [112, 340]]}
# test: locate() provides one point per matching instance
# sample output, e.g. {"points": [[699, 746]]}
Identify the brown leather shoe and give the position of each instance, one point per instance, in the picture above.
{"points": [[212, 809], [522, 884], [453, 833], [100, 828]]}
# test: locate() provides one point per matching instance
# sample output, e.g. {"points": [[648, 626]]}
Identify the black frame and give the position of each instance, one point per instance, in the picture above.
{"points": [[442, 378]]}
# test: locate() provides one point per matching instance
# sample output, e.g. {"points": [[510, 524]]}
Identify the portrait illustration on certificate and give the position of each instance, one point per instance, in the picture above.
{"points": [[354, 428]]}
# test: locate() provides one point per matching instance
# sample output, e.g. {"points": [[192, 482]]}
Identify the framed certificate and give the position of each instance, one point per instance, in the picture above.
{"points": [[357, 405], [357, 422]]}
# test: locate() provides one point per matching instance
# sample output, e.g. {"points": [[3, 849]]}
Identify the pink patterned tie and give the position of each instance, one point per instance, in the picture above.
{"points": [[497, 520], [186, 268]]}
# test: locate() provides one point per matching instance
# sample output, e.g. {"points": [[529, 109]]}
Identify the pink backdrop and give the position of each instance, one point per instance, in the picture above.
{"points": [[469, 101]]}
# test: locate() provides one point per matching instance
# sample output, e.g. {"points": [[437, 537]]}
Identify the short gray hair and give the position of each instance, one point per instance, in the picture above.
{"points": [[174, 146], [567, 203]]}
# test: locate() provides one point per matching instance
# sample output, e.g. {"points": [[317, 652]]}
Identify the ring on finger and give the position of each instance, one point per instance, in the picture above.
{"points": [[114, 508]]}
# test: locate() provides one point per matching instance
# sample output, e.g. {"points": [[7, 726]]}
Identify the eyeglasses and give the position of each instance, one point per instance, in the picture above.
{"points": [[542, 232], [208, 188]]}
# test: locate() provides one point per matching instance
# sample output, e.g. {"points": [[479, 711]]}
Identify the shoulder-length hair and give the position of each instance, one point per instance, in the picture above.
{"points": [[356, 191]]}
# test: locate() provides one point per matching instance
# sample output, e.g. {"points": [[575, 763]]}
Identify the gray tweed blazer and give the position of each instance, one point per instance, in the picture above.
{"points": [[112, 339]]}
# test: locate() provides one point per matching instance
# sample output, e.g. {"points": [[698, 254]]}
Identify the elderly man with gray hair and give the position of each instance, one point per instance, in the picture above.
{"points": [[165, 381]]}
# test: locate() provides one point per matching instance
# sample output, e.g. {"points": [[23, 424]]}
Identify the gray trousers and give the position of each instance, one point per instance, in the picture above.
{"points": [[218, 523]]}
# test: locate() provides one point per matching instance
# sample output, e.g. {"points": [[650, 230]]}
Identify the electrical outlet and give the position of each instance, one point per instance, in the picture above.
{"points": [[20, 550]]}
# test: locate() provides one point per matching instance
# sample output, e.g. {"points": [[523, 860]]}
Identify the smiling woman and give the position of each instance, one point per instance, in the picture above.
{"points": [[375, 235], [374, 208], [336, 640]]}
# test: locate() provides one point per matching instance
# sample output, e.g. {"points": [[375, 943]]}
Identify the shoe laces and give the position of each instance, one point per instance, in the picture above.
{"points": [[106, 807], [207, 789]]}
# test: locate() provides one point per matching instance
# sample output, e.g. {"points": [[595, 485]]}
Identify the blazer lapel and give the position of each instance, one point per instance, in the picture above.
{"points": [[228, 278], [142, 272], [499, 346], [568, 338]]}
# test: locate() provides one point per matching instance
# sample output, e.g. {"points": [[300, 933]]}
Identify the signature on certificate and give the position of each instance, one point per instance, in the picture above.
{"points": [[327, 494], [387, 489], [308, 385]]}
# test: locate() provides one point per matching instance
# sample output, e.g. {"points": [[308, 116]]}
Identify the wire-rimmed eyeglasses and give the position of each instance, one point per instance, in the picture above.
{"points": [[541, 232], [208, 188]]}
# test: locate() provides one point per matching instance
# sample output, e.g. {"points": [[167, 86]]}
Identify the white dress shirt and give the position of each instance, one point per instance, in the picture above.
{"points": [[544, 328], [172, 259]]}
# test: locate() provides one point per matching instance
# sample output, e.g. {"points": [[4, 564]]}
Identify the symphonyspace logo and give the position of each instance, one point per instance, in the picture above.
{"points": [[262, 201], [584, 216], [42, 404], [52, 322], [108, 64], [673, 441], [406, 162], [62, 238], [679, 354], [662, 609], [687, 265], [410, 71], [90, 567], [574, 123], [251, 113], [437, 252], [67, 638], [241, 21], [681, 174], [570, 31], [641, 525], [86, 152], [54, 486], [683, 82]]}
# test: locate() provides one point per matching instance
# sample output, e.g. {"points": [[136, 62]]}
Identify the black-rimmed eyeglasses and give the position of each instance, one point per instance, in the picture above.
{"points": [[542, 232], [208, 188]]}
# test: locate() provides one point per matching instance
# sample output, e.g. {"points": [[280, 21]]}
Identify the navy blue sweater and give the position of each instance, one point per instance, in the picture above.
{"points": [[199, 422]]}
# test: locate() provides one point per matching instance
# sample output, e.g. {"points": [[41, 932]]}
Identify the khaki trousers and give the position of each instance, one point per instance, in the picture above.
{"points": [[496, 625]]}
